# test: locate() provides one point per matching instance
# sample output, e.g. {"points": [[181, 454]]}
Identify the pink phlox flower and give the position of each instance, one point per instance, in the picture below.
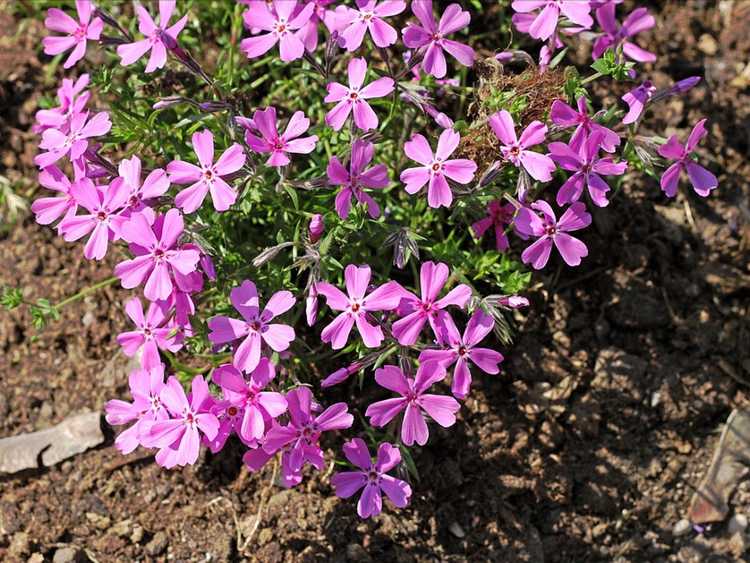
{"points": [[354, 97], [141, 192], [103, 220], [257, 457], [49, 209], [357, 308], [431, 34], [282, 26], [76, 32], [73, 140], [151, 334], [436, 167], [354, 181], [588, 170], [552, 232], [615, 35], [545, 22], [258, 406], [308, 33], [146, 408], [157, 254], [702, 180], [72, 99], [637, 100], [414, 401], [565, 116], [279, 145], [498, 216], [255, 326], [158, 39], [416, 311], [179, 438], [516, 151], [352, 24], [301, 436], [372, 477], [208, 176], [464, 350]]}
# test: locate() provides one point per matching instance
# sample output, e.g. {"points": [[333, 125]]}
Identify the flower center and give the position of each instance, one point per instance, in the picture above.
{"points": [[80, 33], [367, 16], [550, 230], [101, 216], [462, 351], [515, 151], [208, 175], [437, 36], [278, 145], [353, 96], [373, 476], [355, 307], [254, 325], [232, 411], [159, 254], [281, 27], [436, 166]]}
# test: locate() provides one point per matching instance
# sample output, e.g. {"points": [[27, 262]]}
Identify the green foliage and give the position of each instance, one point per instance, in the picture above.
{"points": [[613, 64]]}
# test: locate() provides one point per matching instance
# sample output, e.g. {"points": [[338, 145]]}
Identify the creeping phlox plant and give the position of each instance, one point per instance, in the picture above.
{"points": [[309, 203]]}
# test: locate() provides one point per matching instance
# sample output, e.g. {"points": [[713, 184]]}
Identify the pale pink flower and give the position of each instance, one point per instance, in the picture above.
{"points": [[77, 32], [436, 168], [353, 24], [208, 176], [282, 27], [516, 151], [255, 326], [151, 335], [552, 232], [158, 39], [279, 145], [72, 140], [353, 98]]}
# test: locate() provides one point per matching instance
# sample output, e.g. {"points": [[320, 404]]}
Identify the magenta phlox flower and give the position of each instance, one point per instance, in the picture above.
{"points": [[258, 406], [416, 311], [498, 216], [76, 32], [516, 151], [354, 181], [353, 98], [414, 402], [372, 477], [436, 168], [357, 308], [702, 180], [545, 22], [208, 176], [230, 419], [157, 254], [158, 39], [141, 192], [552, 232], [73, 100], [151, 335], [615, 35], [282, 27], [146, 408], [72, 141], [352, 24], [49, 209], [588, 170], [179, 438], [637, 100], [279, 145], [103, 220], [301, 436], [255, 326], [430, 35], [565, 116], [463, 350]]}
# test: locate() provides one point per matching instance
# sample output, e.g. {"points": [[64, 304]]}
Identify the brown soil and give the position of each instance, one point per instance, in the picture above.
{"points": [[586, 448]]}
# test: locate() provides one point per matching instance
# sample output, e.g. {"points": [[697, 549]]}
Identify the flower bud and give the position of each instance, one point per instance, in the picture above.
{"points": [[316, 228]]}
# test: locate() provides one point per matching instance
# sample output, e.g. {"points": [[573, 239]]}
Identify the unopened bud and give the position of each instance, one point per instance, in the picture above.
{"points": [[316, 228]]}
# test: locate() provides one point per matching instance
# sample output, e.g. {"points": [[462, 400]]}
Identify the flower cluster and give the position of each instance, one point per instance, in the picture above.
{"points": [[156, 212]]}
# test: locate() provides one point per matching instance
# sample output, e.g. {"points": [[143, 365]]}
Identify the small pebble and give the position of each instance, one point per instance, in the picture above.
{"points": [[457, 530], [681, 528], [737, 523]]}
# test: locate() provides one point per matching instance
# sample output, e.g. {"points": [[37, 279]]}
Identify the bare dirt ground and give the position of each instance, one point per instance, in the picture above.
{"points": [[586, 448]]}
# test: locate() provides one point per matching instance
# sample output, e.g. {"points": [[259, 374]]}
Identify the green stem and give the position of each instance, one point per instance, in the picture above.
{"points": [[591, 78], [84, 292]]}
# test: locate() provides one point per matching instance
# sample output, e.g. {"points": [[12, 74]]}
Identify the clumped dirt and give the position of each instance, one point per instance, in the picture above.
{"points": [[586, 448]]}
